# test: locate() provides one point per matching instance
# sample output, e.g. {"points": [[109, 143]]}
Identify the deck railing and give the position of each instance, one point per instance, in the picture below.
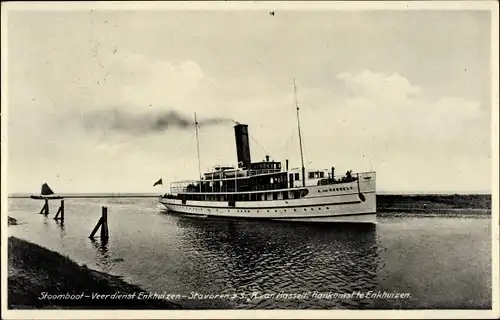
{"points": [[216, 185]]}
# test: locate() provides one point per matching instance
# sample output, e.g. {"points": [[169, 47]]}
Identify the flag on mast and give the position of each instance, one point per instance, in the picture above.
{"points": [[158, 182]]}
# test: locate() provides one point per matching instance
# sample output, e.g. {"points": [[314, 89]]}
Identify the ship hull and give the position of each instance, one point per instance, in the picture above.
{"points": [[349, 205]]}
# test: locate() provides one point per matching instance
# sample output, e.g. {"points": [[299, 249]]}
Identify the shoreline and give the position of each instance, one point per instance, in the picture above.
{"points": [[36, 274]]}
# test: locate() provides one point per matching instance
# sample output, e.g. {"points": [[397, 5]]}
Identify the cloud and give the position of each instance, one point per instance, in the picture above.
{"points": [[391, 107], [381, 87], [136, 81]]}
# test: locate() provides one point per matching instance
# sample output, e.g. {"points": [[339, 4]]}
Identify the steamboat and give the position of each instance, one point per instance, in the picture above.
{"points": [[267, 190]]}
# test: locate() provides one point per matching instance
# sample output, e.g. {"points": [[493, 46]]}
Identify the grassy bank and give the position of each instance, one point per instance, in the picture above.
{"points": [[34, 270], [472, 204]]}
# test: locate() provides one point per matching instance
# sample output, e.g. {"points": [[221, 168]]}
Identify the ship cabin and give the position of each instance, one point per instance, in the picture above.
{"points": [[252, 181]]}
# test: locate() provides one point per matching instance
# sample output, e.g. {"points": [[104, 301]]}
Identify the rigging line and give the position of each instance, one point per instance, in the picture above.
{"points": [[267, 153], [300, 136], [289, 141], [197, 147]]}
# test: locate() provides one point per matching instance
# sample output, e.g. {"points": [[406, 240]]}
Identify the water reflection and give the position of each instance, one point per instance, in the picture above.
{"points": [[62, 230], [103, 259], [277, 257]]}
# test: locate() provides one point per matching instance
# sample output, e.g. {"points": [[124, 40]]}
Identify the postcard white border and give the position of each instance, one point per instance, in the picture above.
{"points": [[491, 6]]}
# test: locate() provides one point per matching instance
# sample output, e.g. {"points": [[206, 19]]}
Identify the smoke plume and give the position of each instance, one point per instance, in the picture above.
{"points": [[144, 123]]}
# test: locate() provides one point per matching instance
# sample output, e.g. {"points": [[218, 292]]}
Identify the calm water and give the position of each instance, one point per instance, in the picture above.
{"points": [[440, 262]]}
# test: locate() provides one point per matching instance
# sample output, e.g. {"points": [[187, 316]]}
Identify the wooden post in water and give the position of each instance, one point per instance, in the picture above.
{"points": [[104, 227], [45, 209], [103, 224], [60, 211]]}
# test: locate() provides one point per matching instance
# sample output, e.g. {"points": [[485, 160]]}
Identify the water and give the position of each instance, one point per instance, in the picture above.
{"points": [[440, 262]]}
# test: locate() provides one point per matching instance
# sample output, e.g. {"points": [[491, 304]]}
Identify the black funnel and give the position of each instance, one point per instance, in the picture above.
{"points": [[242, 145]]}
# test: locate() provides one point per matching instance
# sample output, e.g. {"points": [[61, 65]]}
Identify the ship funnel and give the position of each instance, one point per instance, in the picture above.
{"points": [[242, 145]]}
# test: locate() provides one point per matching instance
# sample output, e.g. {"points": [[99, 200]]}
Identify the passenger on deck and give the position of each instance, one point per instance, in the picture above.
{"points": [[349, 175]]}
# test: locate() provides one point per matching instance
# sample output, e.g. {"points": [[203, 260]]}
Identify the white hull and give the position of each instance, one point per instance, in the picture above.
{"points": [[328, 203]]}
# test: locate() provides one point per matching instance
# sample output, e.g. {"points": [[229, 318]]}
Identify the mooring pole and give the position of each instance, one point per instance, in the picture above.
{"points": [[103, 224], [45, 209], [60, 211], [104, 227]]}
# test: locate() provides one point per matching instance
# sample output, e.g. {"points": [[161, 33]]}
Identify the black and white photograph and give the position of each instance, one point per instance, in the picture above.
{"points": [[238, 159]]}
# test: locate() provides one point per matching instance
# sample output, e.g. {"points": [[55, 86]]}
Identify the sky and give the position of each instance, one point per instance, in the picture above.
{"points": [[404, 93]]}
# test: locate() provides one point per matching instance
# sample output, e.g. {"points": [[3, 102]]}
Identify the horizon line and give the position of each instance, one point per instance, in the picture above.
{"points": [[157, 194]]}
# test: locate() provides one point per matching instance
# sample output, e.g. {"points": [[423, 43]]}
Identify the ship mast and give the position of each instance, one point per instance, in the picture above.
{"points": [[300, 136], [197, 147]]}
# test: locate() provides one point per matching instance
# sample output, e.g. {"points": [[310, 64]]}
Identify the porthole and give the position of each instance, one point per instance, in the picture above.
{"points": [[327, 208], [312, 209], [305, 209], [319, 208], [275, 210], [285, 210], [294, 209]]}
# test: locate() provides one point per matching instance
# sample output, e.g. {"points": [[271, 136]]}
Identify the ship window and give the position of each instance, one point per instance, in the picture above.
{"points": [[311, 175], [294, 209], [275, 210], [275, 195], [321, 174], [297, 176], [285, 195]]}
